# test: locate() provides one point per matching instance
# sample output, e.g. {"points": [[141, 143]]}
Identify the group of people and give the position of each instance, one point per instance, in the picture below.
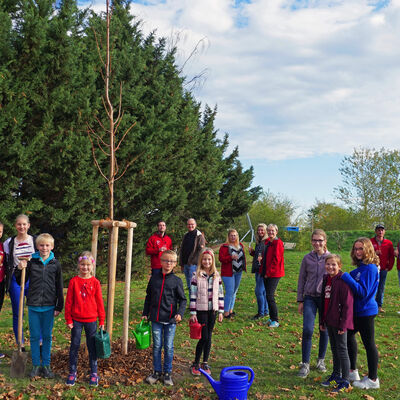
{"points": [[347, 303], [43, 288]]}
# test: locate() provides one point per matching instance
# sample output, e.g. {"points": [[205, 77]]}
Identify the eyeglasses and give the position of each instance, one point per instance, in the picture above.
{"points": [[318, 240], [168, 261]]}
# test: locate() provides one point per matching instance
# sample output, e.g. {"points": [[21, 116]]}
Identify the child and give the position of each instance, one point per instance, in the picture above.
{"points": [[337, 317], [83, 305], [43, 272], [206, 299], [164, 306], [2, 274]]}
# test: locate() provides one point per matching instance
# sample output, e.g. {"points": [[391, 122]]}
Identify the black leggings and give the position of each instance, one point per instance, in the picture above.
{"points": [[364, 325], [204, 345], [270, 288]]}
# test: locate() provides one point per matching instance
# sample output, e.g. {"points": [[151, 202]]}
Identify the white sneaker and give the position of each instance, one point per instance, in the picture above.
{"points": [[354, 376], [321, 365], [367, 383], [304, 370]]}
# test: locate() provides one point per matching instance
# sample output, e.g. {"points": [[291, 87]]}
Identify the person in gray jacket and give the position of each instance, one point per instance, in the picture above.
{"points": [[309, 289]]}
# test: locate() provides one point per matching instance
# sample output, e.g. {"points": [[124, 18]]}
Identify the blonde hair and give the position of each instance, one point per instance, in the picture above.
{"points": [[322, 233], [169, 253], [237, 240], [45, 238], [273, 226], [336, 258], [370, 256], [258, 240], [213, 268], [87, 255], [22, 216]]}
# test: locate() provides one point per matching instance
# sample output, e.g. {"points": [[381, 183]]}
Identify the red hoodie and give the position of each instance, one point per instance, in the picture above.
{"points": [[153, 246], [387, 253], [84, 302]]}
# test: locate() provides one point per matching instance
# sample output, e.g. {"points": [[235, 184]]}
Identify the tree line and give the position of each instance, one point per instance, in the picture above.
{"points": [[51, 94]]}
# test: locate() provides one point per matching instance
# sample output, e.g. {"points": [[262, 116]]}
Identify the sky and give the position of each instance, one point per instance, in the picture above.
{"points": [[298, 84]]}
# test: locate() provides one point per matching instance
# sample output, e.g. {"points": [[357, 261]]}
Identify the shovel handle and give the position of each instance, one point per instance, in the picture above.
{"points": [[21, 308]]}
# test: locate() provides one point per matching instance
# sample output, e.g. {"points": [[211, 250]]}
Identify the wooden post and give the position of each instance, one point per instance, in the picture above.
{"points": [[128, 268], [95, 238], [111, 279]]}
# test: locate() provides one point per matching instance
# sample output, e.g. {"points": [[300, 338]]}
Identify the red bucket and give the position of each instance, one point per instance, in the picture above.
{"points": [[195, 330]]}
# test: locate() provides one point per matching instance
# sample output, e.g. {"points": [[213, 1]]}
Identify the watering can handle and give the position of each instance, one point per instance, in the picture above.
{"points": [[243, 368]]}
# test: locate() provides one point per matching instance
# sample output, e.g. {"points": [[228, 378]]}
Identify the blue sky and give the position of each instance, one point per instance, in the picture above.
{"points": [[298, 83]]}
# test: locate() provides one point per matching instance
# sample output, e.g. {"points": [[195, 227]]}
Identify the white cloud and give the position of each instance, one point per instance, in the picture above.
{"points": [[291, 82]]}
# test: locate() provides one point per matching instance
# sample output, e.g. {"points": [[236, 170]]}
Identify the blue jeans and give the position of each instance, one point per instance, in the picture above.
{"points": [[231, 284], [76, 333], [261, 295], [41, 325], [189, 270], [163, 335], [14, 292], [381, 287], [310, 306]]}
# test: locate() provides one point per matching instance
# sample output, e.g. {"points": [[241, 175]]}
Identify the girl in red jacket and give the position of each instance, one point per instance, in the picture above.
{"points": [[83, 305], [206, 301]]}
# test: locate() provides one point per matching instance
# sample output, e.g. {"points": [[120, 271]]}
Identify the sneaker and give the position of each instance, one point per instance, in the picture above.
{"points": [[354, 376], [153, 378], [342, 386], [168, 379], [398, 312], [321, 365], [194, 370], [304, 370], [71, 379], [267, 322], [333, 380], [205, 367], [274, 324], [367, 383], [256, 317], [35, 371], [47, 372], [2, 355], [94, 379]]}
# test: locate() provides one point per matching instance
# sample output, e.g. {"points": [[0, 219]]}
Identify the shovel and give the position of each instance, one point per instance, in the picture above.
{"points": [[19, 358]]}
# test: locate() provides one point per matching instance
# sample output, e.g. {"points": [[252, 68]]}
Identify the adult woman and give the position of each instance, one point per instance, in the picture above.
{"points": [[272, 269], [309, 288], [233, 263], [363, 282], [257, 254], [20, 245]]}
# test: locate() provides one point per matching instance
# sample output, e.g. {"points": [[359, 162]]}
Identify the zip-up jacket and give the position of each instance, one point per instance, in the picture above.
{"points": [[386, 258], [155, 242], [199, 243], [45, 282], [312, 271], [165, 298], [363, 282], [9, 259], [273, 259], [340, 308], [226, 259]]}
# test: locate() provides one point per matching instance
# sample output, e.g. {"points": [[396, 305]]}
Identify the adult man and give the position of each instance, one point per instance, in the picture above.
{"points": [[157, 243], [384, 250], [192, 243]]}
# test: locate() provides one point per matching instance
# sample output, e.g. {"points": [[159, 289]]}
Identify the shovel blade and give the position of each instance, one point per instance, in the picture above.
{"points": [[18, 364]]}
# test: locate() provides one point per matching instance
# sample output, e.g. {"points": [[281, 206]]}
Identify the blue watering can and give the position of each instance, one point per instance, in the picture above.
{"points": [[234, 383]]}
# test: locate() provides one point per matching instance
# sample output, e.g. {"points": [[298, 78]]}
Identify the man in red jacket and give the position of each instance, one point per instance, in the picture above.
{"points": [[157, 243], [384, 250]]}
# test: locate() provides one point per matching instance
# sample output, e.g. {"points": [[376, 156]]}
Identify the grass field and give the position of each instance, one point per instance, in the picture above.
{"points": [[272, 354]]}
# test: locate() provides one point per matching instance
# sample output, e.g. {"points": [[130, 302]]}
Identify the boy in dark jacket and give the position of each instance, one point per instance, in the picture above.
{"points": [[337, 317], [45, 300], [164, 306]]}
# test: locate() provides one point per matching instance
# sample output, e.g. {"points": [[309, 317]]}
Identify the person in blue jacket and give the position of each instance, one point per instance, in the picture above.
{"points": [[363, 282]]}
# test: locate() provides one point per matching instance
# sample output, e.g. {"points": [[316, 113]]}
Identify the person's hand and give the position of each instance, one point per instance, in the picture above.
{"points": [[70, 326], [234, 256], [161, 249], [300, 308], [101, 327], [23, 262], [340, 332], [378, 252], [220, 317], [178, 318], [144, 317], [193, 318], [322, 328], [396, 252], [56, 313]]}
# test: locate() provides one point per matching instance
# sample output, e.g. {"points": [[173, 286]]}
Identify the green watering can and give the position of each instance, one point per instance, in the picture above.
{"points": [[142, 334]]}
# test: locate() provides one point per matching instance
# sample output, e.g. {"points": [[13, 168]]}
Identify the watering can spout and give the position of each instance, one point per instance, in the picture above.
{"points": [[216, 385]]}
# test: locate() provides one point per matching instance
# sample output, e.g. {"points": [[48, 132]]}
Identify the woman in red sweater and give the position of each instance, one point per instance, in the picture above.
{"points": [[83, 305]]}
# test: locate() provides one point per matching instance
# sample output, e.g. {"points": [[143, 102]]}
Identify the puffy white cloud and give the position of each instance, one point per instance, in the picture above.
{"points": [[291, 78]]}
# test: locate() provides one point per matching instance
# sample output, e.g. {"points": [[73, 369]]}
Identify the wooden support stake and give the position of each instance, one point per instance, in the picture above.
{"points": [[95, 237], [111, 279], [128, 268]]}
